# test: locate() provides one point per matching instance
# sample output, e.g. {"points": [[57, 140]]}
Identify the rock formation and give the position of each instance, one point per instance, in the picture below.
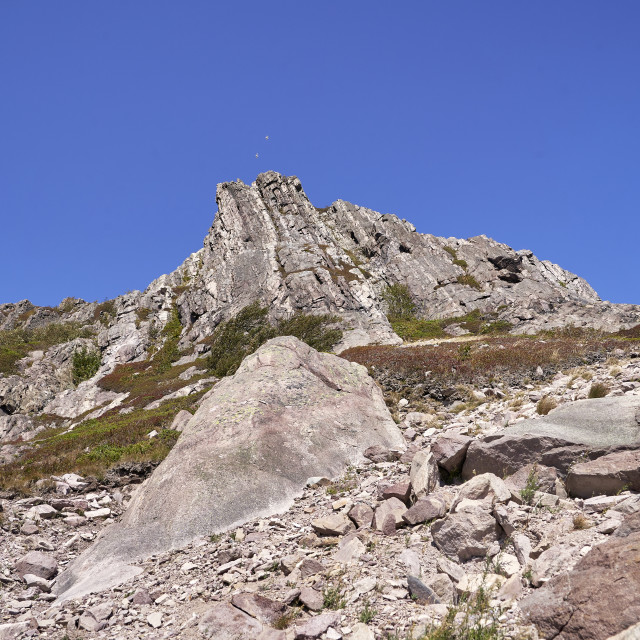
{"points": [[288, 414], [307, 496]]}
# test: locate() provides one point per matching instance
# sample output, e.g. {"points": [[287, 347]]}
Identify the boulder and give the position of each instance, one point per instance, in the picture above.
{"points": [[38, 564], [598, 598], [424, 473], [289, 413], [259, 607], [607, 475], [450, 451], [424, 509], [467, 533], [486, 487], [590, 428]]}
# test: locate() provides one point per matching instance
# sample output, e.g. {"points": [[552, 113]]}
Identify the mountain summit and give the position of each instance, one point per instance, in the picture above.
{"points": [[268, 242]]}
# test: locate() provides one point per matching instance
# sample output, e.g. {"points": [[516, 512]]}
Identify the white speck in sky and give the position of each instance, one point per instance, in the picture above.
{"points": [[256, 155]]}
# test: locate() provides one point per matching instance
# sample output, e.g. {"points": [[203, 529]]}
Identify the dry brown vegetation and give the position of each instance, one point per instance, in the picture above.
{"points": [[505, 358]]}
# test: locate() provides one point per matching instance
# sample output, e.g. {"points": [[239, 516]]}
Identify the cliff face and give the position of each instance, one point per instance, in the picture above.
{"points": [[268, 242]]}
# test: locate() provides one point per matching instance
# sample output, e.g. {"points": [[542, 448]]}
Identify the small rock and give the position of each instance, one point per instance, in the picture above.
{"points": [[361, 514], [315, 627], [312, 599], [420, 592], [155, 619], [424, 473], [310, 567], [334, 525], [427, 508], [259, 607], [141, 596]]}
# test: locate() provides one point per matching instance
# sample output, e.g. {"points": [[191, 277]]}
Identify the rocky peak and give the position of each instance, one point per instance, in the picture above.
{"points": [[268, 242]]}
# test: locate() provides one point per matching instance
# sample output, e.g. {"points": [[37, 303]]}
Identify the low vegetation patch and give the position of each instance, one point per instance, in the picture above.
{"points": [[598, 390], [15, 344], [240, 336], [472, 619], [94, 446], [469, 281], [85, 364], [545, 405], [421, 370], [531, 486]]}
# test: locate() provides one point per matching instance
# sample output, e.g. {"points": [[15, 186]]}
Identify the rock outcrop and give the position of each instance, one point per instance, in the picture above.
{"points": [[583, 429], [288, 414], [269, 242], [577, 604]]}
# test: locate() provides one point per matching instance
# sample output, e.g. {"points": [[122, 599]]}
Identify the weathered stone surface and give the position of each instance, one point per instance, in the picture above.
{"points": [[349, 549], [289, 413], [259, 607], [420, 592], [487, 488], [598, 598], [450, 451], [309, 567], [424, 473], [466, 533], [607, 475], [589, 428], [361, 514], [181, 419], [38, 564], [361, 631], [224, 622], [632, 633], [336, 524], [391, 508], [424, 509], [13, 630]]}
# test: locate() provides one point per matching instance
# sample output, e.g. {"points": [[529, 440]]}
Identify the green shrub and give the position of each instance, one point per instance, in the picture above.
{"points": [[469, 281], [531, 486], [240, 336], [85, 364], [399, 302], [312, 330]]}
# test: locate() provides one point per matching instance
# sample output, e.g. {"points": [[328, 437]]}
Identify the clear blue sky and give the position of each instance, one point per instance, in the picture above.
{"points": [[519, 120]]}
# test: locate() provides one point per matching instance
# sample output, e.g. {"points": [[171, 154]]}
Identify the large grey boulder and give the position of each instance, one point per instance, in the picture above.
{"points": [[289, 413], [590, 428]]}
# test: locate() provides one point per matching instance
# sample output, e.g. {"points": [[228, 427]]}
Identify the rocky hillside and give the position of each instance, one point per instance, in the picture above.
{"points": [[245, 485]]}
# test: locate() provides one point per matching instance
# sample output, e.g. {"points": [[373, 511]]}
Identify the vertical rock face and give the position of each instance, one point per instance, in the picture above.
{"points": [[288, 414], [269, 242]]}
